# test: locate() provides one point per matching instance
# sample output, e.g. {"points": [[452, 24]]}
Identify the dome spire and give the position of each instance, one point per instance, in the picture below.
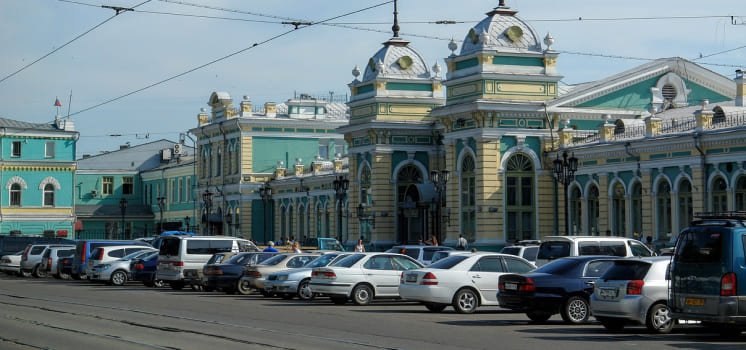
{"points": [[395, 27]]}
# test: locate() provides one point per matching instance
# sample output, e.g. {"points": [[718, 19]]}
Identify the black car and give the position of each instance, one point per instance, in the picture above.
{"points": [[226, 275], [562, 286]]}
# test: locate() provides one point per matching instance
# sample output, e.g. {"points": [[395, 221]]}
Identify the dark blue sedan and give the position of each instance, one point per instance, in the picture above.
{"points": [[226, 275], [143, 270], [562, 286]]}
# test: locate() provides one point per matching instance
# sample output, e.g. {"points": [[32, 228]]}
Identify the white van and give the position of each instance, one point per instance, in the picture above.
{"points": [[554, 247], [186, 255]]}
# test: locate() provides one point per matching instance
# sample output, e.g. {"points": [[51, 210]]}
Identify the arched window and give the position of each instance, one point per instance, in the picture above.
{"points": [[663, 206], [302, 222], [636, 207], [593, 210], [686, 210], [519, 196], [719, 195], [365, 185], [576, 211], [237, 161], [740, 192], [327, 220], [319, 220], [15, 195], [219, 162], [49, 195], [618, 204], [468, 199], [283, 222], [291, 221]]}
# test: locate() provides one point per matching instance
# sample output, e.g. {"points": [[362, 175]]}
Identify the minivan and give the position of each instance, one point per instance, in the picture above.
{"points": [[708, 272], [186, 255], [84, 248], [553, 247]]}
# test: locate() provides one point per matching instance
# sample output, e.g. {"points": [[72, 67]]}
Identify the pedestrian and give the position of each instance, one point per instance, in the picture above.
{"points": [[271, 248], [473, 250], [295, 248], [432, 241], [360, 247], [462, 243], [649, 243]]}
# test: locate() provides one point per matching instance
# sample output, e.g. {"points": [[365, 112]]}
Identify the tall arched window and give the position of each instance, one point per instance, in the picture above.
{"points": [[593, 210], [619, 207], [519, 196], [365, 185], [319, 220], [49, 195], [636, 207], [15, 195], [327, 220], [686, 210], [740, 192], [719, 195], [576, 211], [291, 221], [283, 222], [302, 222], [219, 162], [468, 199], [663, 206]]}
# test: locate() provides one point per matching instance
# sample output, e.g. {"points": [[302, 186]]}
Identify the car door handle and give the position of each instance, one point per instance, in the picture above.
{"points": [[476, 276]]}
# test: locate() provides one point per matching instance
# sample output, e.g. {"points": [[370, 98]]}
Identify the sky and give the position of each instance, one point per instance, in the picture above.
{"points": [[144, 75]]}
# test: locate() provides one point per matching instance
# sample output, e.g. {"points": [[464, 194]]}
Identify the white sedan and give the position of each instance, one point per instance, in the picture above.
{"points": [[362, 277], [465, 281]]}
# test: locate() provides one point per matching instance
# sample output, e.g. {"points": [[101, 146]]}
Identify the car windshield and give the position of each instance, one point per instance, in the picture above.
{"points": [[553, 250], [511, 250], [274, 260], [348, 261], [447, 263], [627, 270], [322, 260], [700, 246]]}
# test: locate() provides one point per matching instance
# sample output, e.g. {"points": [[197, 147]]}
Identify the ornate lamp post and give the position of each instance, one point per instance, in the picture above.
{"points": [[161, 204], [266, 193], [440, 179], [207, 199], [341, 184], [364, 216], [564, 173], [123, 208]]}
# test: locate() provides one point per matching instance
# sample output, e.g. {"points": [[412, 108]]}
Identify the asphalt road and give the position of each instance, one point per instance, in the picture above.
{"points": [[52, 314]]}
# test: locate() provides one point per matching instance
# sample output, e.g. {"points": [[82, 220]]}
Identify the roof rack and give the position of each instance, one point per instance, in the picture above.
{"points": [[721, 215]]}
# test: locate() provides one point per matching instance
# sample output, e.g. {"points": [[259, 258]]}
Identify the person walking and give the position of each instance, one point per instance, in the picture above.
{"points": [[462, 243], [295, 248], [360, 247], [270, 248]]}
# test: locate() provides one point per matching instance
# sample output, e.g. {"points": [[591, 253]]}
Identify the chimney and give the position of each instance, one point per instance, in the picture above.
{"points": [[740, 88], [246, 106], [203, 118], [270, 109]]}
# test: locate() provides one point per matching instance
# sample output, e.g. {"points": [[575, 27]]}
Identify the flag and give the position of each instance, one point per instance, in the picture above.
{"points": [[57, 102]]}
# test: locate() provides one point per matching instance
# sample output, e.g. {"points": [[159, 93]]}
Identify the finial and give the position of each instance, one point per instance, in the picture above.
{"points": [[395, 27], [452, 46], [501, 4], [356, 72], [436, 70], [549, 40]]}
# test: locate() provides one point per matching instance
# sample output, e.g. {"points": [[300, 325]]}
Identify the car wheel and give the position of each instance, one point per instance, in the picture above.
{"points": [[304, 291], [362, 294], [158, 283], [241, 289], [433, 307], [659, 319], [38, 272], [339, 300], [538, 316], [465, 301], [611, 323], [177, 285], [576, 310], [118, 278]]}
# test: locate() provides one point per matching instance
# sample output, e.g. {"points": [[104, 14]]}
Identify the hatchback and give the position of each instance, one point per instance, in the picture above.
{"points": [[51, 258], [634, 290], [106, 254], [116, 272]]}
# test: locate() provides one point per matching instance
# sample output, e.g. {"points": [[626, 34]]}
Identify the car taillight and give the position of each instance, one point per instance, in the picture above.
{"points": [[324, 274], [49, 261], [253, 273], [429, 279], [139, 266], [213, 272], [635, 287], [527, 286], [25, 253], [401, 278], [728, 284], [85, 253]]}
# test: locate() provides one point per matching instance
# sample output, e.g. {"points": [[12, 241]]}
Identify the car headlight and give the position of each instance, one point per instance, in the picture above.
{"points": [[282, 277]]}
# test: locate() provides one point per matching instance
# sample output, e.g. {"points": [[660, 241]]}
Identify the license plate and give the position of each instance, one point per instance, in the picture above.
{"points": [[694, 301], [411, 278], [511, 286], [608, 293]]}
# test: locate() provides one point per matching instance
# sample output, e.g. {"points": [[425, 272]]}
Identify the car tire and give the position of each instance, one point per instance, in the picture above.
{"points": [[362, 294], [339, 300], [576, 310], [304, 291], [465, 301], [611, 323], [659, 319], [118, 278], [38, 272], [433, 307], [177, 285], [241, 289], [538, 316]]}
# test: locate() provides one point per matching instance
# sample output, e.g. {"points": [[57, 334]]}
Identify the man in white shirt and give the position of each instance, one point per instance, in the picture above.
{"points": [[462, 243]]}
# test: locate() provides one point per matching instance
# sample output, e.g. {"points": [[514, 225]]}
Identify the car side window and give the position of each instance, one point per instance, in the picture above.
{"points": [[116, 253], [37, 250], [595, 269], [380, 262], [589, 248], [638, 249], [295, 262], [517, 266], [489, 264]]}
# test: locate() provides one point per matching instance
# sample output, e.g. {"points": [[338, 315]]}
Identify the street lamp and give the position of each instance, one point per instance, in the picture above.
{"points": [[440, 179], [564, 173], [161, 204], [207, 199], [364, 216], [266, 193], [186, 223], [123, 208], [341, 184]]}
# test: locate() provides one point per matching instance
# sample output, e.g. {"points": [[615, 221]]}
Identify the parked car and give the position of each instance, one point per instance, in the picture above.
{"points": [[554, 247], [634, 290], [362, 277], [295, 282], [51, 258], [464, 281], [253, 277], [225, 275], [143, 270], [421, 253], [84, 248], [563, 286], [31, 259], [116, 272], [708, 273], [528, 251], [103, 255], [11, 263]]}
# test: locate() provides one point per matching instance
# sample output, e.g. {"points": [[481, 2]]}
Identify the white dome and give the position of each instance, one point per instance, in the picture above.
{"points": [[501, 31], [396, 60]]}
